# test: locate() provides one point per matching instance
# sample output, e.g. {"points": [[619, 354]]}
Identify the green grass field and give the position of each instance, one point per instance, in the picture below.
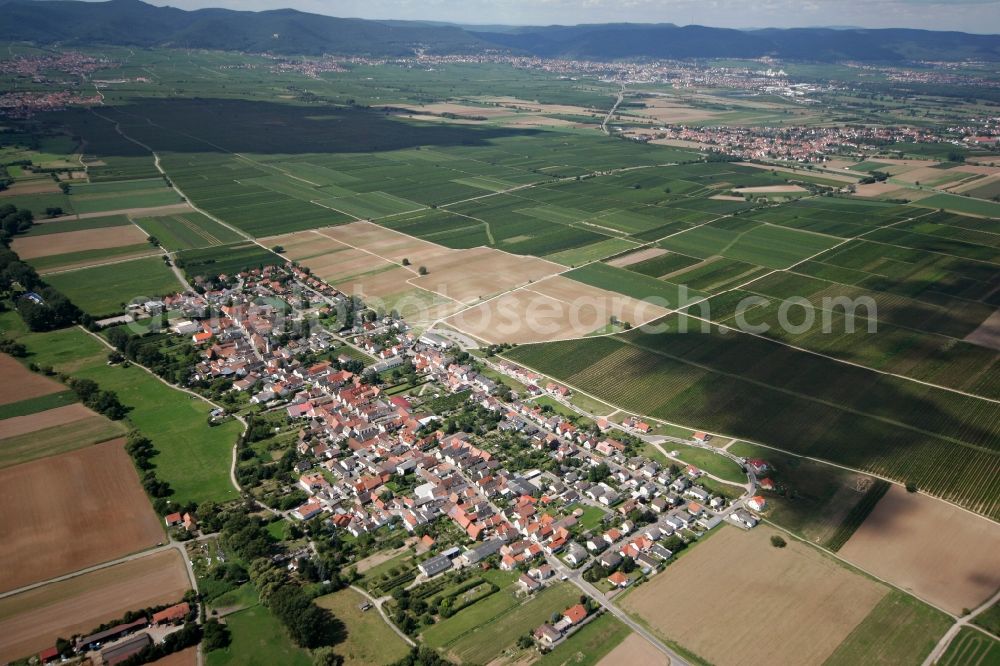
{"points": [[478, 633], [103, 290], [989, 619], [899, 630], [39, 404], [713, 463], [369, 639], [193, 457], [258, 639]]}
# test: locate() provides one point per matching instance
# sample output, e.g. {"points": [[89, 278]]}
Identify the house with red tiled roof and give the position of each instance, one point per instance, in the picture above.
{"points": [[618, 579], [575, 614]]}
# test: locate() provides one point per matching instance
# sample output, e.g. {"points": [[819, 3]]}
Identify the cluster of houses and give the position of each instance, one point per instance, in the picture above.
{"points": [[571, 619], [357, 444]]}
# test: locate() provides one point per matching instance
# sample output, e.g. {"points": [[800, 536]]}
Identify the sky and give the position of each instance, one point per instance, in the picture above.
{"points": [[982, 16]]}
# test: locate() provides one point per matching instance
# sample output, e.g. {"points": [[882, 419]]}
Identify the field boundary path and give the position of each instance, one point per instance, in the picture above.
{"points": [[964, 621], [377, 603]]}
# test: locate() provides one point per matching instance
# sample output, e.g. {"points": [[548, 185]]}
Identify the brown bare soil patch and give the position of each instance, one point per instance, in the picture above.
{"points": [[31, 621], [937, 551], [634, 650], [20, 425], [736, 597], [38, 186], [72, 511], [637, 256], [555, 308], [19, 383], [76, 241]]}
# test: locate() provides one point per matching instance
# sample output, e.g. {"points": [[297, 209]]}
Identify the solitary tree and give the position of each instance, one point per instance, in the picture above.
{"points": [[422, 270], [777, 541]]}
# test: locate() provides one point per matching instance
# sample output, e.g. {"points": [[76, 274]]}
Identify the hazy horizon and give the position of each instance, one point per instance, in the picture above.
{"points": [[975, 16]]}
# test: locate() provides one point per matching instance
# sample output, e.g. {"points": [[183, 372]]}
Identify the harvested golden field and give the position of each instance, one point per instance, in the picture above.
{"points": [[30, 247], [387, 244], [637, 256], [19, 383], [72, 511], [555, 308], [736, 598], [940, 553], [634, 650], [21, 425], [31, 621], [472, 275]]}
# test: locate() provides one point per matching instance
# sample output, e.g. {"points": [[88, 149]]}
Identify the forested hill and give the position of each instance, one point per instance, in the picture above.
{"points": [[631, 40], [287, 31], [282, 31]]}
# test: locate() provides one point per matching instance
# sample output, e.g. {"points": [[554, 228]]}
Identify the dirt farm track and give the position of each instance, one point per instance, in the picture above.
{"points": [[79, 604], [71, 511]]}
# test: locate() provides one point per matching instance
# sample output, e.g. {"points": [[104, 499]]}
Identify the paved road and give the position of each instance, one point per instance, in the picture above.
{"points": [[604, 123], [598, 596]]}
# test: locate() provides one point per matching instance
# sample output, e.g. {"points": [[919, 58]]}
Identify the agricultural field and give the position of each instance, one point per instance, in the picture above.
{"points": [[971, 648], [634, 650], [76, 605], [899, 630], [122, 195], [813, 602], [22, 384], [369, 639], [105, 290], [826, 410], [907, 537], [224, 259], [72, 511], [186, 231], [102, 238], [551, 309], [193, 457]]}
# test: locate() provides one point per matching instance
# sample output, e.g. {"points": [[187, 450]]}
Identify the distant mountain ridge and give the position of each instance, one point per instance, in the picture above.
{"points": [[291, 32]]}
